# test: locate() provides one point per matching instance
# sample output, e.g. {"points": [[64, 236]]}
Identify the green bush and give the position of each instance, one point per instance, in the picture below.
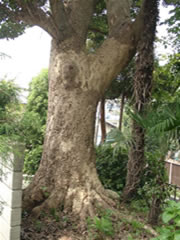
{"points": [[32, 160], [111, 166], [34, 122], [154, 178], [171, 222]]}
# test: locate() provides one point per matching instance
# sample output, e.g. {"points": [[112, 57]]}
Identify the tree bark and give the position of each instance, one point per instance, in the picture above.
{"points": [[103, 121], [160, 197], [67, 174], [121, 111], [142, 86], [155, 211], [135, 163]]}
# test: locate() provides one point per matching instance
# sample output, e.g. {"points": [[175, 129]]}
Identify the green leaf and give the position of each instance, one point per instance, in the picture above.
{"points": [[177, 235], [166, 217]]}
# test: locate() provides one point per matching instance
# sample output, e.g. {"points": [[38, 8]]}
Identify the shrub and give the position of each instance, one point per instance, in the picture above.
{"points": [[111, 166], [154, 178], [101, 226], [171, 222]]}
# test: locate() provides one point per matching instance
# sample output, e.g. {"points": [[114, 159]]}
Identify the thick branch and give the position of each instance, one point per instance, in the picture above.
{"points": [[118, 49], [112, 57], [37, 18], [32, 14], [59, 16], [118, 13], [97, 30], [80, 13]]}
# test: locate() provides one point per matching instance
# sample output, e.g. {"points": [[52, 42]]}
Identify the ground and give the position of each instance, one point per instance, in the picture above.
{"points": [[127, 224]]}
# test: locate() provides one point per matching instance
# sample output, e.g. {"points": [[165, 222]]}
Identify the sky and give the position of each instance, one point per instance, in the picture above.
{"points": [[29, 53]]}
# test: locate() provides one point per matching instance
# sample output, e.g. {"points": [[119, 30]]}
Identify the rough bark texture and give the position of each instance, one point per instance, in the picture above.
{"points": [[161, 195], [135, 162], [142, 90], [155, 211], [103, 121], [67, 175]]}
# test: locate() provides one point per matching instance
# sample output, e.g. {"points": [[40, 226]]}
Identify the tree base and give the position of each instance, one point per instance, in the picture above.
{"points": [[56, 225], [81, 202]]}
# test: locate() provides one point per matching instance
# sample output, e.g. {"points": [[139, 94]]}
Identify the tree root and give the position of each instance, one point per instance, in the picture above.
{"points": [[81, 202]]}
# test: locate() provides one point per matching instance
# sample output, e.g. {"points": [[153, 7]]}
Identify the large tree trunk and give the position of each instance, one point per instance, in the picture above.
{"points": [[67, 174], [77, 80]]}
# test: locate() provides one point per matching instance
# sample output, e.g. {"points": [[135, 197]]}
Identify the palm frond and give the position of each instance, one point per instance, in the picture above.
{"points": [[164, 119]]}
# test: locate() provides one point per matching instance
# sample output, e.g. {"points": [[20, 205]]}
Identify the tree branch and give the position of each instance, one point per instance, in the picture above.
{"points": [[97, 30], [59, 16], [111, 58], [118, 49], [32, 14], [118, 13], [80, 13]]}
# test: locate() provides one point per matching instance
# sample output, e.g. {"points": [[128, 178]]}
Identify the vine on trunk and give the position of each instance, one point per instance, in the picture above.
{"points": [[142, 92]]}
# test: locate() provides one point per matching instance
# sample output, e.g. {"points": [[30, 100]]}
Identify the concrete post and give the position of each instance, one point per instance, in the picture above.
{"points": [[11, 196]]}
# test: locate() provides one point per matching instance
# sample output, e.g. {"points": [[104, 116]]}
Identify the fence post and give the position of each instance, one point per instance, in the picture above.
{"points": [[11, 194], [170, 172], [175, 192]]}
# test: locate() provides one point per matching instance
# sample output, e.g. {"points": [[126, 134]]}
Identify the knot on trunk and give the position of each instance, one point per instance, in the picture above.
{"points": [[69, 74]]}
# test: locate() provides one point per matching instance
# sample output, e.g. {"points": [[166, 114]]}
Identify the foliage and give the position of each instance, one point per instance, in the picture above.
{"points": [[118, 139], [167, 81], [163, 116], [139, 205], [162, 123], [122, 83], [154, 180], [100, 226], [10, 111], [135, 228], [167, 121], [170, 229], [54, 214], [38, 225], [98, 28], [9, 28], [173, 23], [34, 121], [38, 97], [9, 93], [111, 163], [111, 166]]}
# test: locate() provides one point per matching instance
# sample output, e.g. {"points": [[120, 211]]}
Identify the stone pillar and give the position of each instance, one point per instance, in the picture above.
{"points": [[11, 196]]}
